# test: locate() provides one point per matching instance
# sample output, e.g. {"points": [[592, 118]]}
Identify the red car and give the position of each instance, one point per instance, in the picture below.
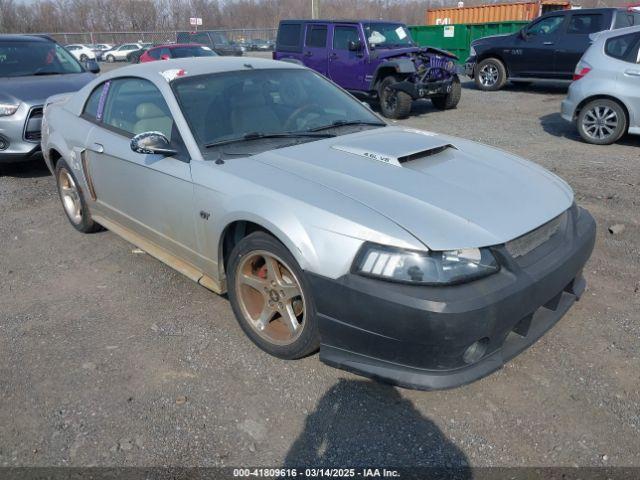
{"points": [[180, 50]]}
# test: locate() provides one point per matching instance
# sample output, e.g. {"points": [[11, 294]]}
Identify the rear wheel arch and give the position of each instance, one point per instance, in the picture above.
{"points": [[603, 97]]}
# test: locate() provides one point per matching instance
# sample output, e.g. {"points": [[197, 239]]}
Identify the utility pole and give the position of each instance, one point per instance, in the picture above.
{"points": [[315, 9]]}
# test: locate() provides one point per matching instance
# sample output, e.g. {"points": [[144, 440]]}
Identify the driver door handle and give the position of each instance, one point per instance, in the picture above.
{"points": [[308, 54], [548, 43], [333, 55], [632, 73], [97, 147]]}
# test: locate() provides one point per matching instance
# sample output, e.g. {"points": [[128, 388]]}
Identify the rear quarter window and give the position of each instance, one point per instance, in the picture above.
{"points": [[586, 23], [289, 37], [624, 47]]}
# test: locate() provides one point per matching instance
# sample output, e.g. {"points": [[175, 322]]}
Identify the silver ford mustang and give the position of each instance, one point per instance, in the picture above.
{"points": [[419, 259]]}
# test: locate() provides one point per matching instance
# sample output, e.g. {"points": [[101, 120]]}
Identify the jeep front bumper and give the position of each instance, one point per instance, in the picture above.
{"points": [[435, 88]]}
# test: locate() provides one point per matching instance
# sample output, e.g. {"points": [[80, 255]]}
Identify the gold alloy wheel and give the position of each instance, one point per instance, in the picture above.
{"points": [[70, 196], [270, 297]]}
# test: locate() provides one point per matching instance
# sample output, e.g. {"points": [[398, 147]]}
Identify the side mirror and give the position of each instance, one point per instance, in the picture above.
{"points": [[150, 143], [355, 46], [165, 57], [522, 34], [92, 66]]}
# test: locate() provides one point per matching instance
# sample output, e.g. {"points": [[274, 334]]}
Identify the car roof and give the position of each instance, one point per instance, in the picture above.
{"points": [[22, 38], [618, 32], [177, 45], [340, 20], [199, 66], [584, 10]]}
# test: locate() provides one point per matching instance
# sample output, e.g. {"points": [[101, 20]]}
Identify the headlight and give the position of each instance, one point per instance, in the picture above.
{"points": [[472, 51], [7, 109], [425, 268]]}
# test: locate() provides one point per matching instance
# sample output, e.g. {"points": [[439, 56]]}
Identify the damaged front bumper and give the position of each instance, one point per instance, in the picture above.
{"points": [[417, 90]]}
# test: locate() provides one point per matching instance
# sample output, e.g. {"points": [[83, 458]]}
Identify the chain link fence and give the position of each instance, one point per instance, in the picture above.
{"points": [[241, 35]]}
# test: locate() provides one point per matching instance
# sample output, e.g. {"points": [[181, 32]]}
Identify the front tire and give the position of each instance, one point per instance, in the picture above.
{"points": [[490, 75], [83, 58], [451, 99], [271, 297], [110, 58], [72, 198], [393, 103], [602, 122]]}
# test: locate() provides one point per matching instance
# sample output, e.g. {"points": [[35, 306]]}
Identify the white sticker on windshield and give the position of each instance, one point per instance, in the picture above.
{"points": [[401, 33]]}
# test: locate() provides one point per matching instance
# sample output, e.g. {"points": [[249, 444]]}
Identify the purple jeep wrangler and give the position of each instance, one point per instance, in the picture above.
{"points": [[374, 58]]}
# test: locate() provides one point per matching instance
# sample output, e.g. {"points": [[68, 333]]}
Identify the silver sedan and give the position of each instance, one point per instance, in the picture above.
{"points": [[411, 257]]}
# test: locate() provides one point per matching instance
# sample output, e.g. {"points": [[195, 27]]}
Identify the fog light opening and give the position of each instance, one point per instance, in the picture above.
{"points": [[475, 351], [4, 143]]}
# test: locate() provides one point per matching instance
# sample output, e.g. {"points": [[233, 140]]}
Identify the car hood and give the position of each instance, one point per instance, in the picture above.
{"points": [[36, 89], [447, 192], [489, 39]]}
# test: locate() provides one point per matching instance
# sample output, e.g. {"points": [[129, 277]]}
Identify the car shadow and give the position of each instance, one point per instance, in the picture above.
{"points": [[557, 88], [367, 424], [557, 126], [31, 169]]}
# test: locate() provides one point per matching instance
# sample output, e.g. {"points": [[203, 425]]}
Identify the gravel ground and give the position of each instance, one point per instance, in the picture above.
{"points": [[108, 357]]}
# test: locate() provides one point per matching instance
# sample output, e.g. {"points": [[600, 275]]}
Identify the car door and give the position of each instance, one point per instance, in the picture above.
{"points": [[315, 54], [624, 51], [346, 67], [533, 51], [575, 40], [149, 194]]}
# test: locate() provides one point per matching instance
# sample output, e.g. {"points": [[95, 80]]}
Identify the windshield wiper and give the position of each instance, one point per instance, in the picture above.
{"points": [[47, 73], [342, 123], [259, 135]]}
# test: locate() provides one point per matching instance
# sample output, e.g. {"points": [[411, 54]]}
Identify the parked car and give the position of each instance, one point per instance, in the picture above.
{"points": [[604, 98], [119, 53], [412, 257], [261, 46], [99, 49], [372, 58], [134, 56], [81, 52], [182, 50], [547, 49], [215, 40], [31, 69]]}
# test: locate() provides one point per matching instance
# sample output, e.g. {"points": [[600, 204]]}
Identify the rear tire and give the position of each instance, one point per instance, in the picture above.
{"points": [[393, 103], [110, 58], [271, 297], [602, 122], [490, 75], [451, 99], [72, 198]]}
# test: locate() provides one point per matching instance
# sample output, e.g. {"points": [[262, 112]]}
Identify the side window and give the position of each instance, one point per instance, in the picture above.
{"points": [[154, 53], [343, 35], [546, 26], [316, 36], [624, 47], [165, 51], [623, 20], [289, 37], [94, 107], [201, 38], [136, 106], [582, 23]]}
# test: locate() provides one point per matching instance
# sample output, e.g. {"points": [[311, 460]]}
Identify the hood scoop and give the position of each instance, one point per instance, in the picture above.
{"points": [[401, 148]]}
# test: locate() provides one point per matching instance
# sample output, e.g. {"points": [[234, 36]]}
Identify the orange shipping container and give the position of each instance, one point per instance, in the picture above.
{"points": [[496, 12]]}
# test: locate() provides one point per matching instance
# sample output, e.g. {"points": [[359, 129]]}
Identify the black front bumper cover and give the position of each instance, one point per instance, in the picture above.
{"points": [[416, 336]]}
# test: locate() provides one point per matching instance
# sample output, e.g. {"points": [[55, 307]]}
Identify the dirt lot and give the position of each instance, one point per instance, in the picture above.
{"points": [[108, 357]]}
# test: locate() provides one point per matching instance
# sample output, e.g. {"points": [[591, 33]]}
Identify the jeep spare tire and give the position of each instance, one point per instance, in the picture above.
{"points": [[393, 103], [451, 99]]}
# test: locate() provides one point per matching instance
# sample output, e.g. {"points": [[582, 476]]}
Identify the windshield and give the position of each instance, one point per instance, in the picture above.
{"points": [[231, 105], [387, 35], [184, 52], [19, 59]]}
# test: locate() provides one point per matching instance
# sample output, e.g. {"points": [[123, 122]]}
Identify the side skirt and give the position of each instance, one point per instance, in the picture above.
{"points": [[163, 255]]}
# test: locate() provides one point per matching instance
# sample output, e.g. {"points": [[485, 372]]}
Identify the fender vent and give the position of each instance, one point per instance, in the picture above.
{"points": [[425, 153]]}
